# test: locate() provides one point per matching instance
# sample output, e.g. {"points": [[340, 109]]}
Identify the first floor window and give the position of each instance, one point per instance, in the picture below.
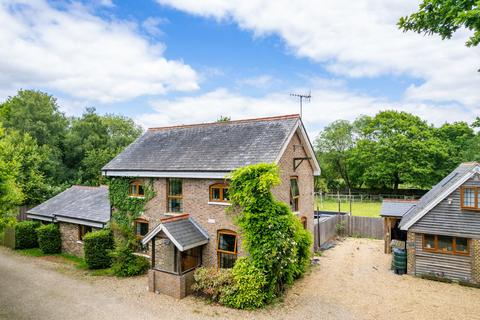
{"points": [[469, 197], [219, 192], [294, 194], [136, 189], [226, 248], [174, 195], [446, 244], [82, 230]]}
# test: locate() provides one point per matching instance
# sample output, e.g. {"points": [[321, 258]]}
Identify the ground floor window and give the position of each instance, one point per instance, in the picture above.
{"points": [[304, 222], [82, 230], [226, 248], [141, 228], [446, 244]]}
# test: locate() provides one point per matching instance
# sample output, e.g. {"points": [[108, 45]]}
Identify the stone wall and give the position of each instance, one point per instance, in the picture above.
{"points": [[411, 253], [177, 286], [70, 242], [164, 254], [475, 243]]}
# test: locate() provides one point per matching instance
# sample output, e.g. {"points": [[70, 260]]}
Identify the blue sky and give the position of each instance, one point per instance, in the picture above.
{"points": [[185, 61]]}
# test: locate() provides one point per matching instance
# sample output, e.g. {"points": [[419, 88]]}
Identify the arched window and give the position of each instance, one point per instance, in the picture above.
{"points": [[226, 248], [136, 189], [219, 192], [294, 194], [304, 222]]}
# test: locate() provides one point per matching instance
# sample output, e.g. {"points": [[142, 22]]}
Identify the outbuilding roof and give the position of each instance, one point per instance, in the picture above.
{"points": [[439, 192], [183, 231], [218, 147], [396, 207], [77, 204]]}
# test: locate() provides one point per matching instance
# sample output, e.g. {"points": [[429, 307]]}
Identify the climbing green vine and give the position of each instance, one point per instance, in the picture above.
{"points": [[126, 208]]}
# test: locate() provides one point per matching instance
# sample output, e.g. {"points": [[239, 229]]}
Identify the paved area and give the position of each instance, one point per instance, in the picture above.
{"points": [[352, 282]]}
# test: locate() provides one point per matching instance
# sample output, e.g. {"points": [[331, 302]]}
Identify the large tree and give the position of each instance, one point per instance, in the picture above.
{"points": [[37, 114], [399, 148], [445, 17], [93, 140]]}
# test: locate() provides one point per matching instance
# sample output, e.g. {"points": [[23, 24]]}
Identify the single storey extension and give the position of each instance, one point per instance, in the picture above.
{"points": [[77, 210]]}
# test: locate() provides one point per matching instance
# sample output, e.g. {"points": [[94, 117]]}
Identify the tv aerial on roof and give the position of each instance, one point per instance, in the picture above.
{"points": [[302, 97]]}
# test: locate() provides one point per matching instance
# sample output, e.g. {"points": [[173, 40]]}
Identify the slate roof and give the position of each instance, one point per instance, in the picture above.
{"points": [[215, 147], [396, 207], [450, 180], [77, 202], [184, 232]]}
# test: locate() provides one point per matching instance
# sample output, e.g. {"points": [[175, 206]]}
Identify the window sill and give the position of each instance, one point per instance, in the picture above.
{"points": [[219, 203], [296, 212], [79, 242], [141, 255], [173, 214], [137, 197]]}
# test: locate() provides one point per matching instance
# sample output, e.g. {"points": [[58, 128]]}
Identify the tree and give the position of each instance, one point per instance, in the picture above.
{"points": [[334, 146], [445, 17], [93, 140], [37, 114], [399, 148]]}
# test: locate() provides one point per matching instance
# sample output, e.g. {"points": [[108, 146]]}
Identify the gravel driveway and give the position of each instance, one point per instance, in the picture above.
{"points": [[352, 282]]}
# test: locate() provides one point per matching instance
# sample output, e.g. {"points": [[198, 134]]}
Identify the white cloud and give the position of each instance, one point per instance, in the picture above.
{"points": [[261, 81], [330, 101], [358, 39], [79, 54]]}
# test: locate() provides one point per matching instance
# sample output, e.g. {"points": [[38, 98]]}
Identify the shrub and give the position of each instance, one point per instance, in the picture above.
{"points": [[49, 239], [97, 246], [247, 291], [26, 235], [212, 282], [126, 264], [340, 228]]}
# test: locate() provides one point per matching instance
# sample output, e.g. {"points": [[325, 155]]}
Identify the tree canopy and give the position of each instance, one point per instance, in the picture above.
{"points": [[43, 152], [445, 17], [392, 149]]}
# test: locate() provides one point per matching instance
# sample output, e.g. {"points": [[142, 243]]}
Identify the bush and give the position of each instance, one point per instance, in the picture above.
{"points": [[126, 264], [248, 289], [26, 235], [97, 246], [212, 282], [49, 239]]}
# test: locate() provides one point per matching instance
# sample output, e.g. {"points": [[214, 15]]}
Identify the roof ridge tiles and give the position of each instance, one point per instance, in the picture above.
{"points": [[206, 124]]}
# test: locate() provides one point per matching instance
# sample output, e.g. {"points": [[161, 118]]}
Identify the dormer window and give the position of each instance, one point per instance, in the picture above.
{"points": [[469, 198], [136, 189], [219, 192]]}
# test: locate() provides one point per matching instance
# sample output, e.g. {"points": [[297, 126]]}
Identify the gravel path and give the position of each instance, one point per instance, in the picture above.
{"points": [[352, 282]]}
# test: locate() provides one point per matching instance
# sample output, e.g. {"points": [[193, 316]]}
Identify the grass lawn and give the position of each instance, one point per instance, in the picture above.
{"points": [[364, 209], [78, 263]]}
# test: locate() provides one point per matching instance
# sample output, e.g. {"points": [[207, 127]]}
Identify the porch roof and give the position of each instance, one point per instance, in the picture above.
{"points": [[183, 231]]}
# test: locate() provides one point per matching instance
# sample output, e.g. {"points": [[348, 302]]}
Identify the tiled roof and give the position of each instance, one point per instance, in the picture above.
{"points": [[214, 147], [183, 231], [77, 202], [396, 207], [437, 190]]}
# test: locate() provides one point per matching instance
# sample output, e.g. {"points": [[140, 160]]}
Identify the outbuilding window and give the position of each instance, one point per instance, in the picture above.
{"points": [[174, 195], [446, 244], [226, 248], [219, 192], [294, 194], [136, 189], [82, 230], [469, 198]]}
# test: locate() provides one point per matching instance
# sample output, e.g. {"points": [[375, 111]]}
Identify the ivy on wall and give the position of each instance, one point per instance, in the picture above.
{"points": [[126, 208]]}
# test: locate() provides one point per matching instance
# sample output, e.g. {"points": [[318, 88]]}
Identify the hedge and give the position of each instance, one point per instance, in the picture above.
{"points": [[49, 239], [26, 235], [97, 246], [127, 264]]}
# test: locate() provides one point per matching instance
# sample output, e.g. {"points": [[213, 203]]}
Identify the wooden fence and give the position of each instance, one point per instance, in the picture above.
{"points": [[353, 226]]}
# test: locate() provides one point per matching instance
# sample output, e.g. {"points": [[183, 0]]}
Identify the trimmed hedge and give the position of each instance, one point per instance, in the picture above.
{"points": [[49, 239], [97, 246], [26, 235]]}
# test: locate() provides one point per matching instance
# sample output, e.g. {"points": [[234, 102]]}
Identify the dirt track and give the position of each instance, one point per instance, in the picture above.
{"points": [[353, 282]]}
